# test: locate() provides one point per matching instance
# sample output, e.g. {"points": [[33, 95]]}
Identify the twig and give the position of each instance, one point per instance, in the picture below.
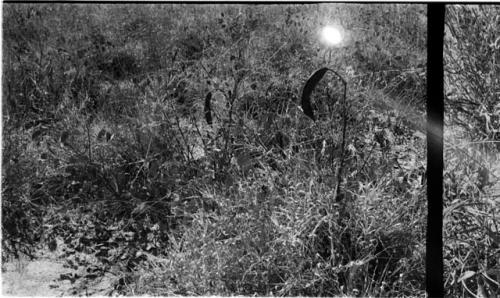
{"points": [[367, 157], [175, 137], [344, 132], [205, 146], [89, 146], [143, 162], [189, 153]]}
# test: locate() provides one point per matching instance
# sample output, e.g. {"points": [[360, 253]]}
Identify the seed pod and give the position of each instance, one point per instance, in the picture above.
{"points": [[308, 89], [208, 108]]}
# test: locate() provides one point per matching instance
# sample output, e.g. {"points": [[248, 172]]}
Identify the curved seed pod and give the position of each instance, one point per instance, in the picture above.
{"points": [[308, 89], [208, 108]]}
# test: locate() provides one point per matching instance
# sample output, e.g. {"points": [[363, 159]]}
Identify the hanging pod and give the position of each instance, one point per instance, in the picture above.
{"points": [[208, 108], [311, 83], [308, 89]]}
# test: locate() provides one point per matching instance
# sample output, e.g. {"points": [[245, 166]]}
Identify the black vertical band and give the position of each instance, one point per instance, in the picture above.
{"points": [[435, 117]]}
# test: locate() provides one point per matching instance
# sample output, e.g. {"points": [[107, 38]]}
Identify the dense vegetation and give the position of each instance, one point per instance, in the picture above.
{"points": [[166, 144], [472, 73]]}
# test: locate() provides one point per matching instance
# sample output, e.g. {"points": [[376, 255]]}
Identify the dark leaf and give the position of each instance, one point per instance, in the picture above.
{"points": [[208, 108], [91, 276], [52, 245], [37, 133], [64, 138], [101, 134], [103, 252], [308, 89], [109, 136]]}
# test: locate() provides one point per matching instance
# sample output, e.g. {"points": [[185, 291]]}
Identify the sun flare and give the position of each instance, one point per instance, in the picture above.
{"points": [[331, 35]]}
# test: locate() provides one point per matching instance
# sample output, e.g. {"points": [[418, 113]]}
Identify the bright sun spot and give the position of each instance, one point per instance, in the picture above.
{"points": [[331, 36]]}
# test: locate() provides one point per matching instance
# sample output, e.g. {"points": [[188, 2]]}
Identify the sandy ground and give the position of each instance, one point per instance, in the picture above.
{"points": [[35, 278], [42, 278]]}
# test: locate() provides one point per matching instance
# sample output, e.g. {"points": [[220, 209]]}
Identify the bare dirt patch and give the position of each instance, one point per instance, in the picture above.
{"points": [[48, 276], [23, 277]]}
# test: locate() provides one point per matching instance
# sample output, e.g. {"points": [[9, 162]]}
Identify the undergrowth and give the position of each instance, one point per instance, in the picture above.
{"points": [[166, 145]]}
